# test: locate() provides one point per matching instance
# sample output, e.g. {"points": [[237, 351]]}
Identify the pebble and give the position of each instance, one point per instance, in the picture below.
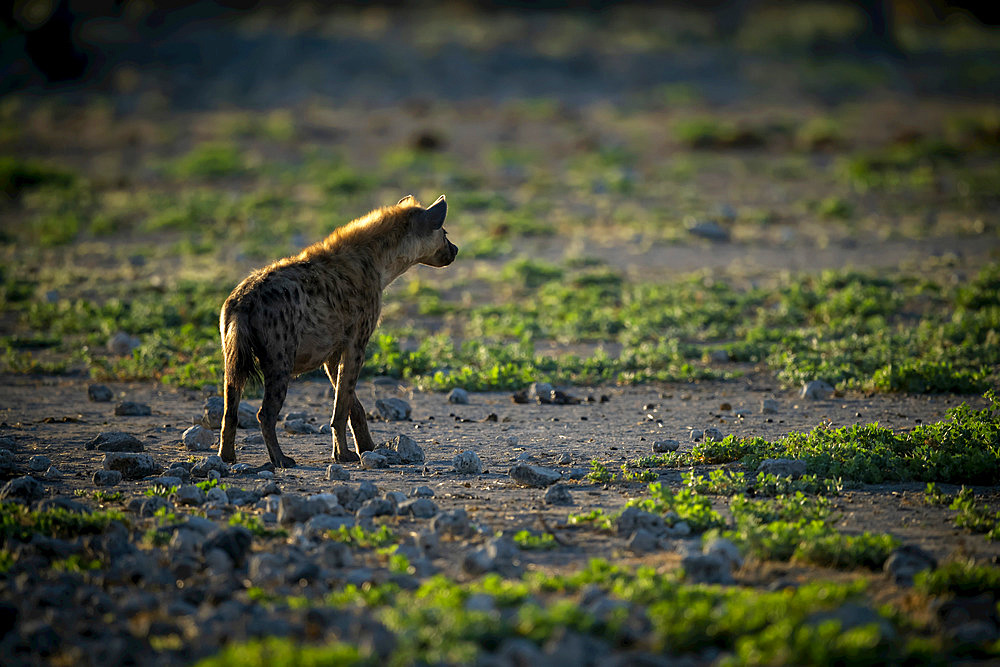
{"points": [[540, 392], [217, 496], [906, 561], [725, 549], [114, 441], [719, 356], [455, 523], [642, 541], [99, 393], [213, 409], [401, 450], [458, 396], [564, 459], [708, 229], [122, 344], [132, 409], [533, 475], [467, 463], [422, 492], [39, 463], [265, 474], [373, 460], [336, 473], [25, 488], [661, 446], [209, 464], [53, 473], [130, 465], [420, 508], [783, 467], [816, 390], [299, 427], [712, 433], [197, 438], [769, 406], [393, 409], [697, 434], [188, 495], [707, 569], [6, 460], [558, 494], [106, 477]]}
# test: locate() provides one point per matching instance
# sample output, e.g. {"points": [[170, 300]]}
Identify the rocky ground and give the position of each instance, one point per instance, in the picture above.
{"points": [[174, 587]]}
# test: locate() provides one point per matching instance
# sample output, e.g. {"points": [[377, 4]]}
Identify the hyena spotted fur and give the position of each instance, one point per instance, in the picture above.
{"points": [[319, 308]]}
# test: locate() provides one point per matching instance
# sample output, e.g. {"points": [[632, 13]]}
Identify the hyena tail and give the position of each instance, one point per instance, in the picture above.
{"points": [[240, 365]]}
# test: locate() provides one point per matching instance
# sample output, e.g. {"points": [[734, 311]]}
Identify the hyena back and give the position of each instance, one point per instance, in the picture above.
{"points": [[319, 308]]}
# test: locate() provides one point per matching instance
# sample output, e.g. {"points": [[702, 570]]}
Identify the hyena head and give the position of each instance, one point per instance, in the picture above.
{"points": [[427, 238]]}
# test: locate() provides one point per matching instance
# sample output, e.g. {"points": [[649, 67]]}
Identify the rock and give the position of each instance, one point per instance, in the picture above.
{"points": [[393, 409], [132, 409], [974, 634], [335, 555], [293, 508], [633, 519], [372, 460], [564, 459], [707, 569], [420, 508], [769, 406], [213, 409], [526, 475], [217, 496], [540, 392], [697, 434], [197, 438], [642, 541], [816, 390], [455, 523], [783, 467], [114, 441], [106, 477], [209, 464], [500, 554], [422, 492], [131, 466], [188, 495], [661, 446], [467, 463], [299, 426], [53, 473], [336, 473], [376, 507], [851, 615], [234, 541], [99, 393], [6, 461], [322, 523], [713, 434], [39, 463], [708, 229], [558, 494], [401, 450], [906, 561], [428, 543], [122, 344], [147, 507], [458, 396], [719, 356], [726, 550], [292, 416], [26, 489]]}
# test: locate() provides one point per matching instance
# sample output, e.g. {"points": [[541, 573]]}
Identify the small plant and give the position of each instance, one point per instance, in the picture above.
{"points": [[76, 563], [359, 537], [253, 523], [687, 505], [975, 517], [960, 577], [160, 490], [641, 475], [6, 561], [99, 495], [599, 473], [596, 517], [935, 496], [20, 523], [525, 539]]}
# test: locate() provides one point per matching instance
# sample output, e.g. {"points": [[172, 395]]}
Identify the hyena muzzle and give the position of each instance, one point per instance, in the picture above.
{"points": [[319, 308]]}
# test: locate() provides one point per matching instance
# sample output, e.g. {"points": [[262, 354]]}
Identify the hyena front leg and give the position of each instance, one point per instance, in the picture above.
{"points": [[341, 452], [347, 377], [275, 387]]}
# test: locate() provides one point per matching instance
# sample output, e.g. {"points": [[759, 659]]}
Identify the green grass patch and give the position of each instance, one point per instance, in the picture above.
{"points": [[18, 522]]}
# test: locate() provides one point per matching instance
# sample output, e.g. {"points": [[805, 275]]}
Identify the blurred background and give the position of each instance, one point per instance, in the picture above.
{"points": [[620, 175]]}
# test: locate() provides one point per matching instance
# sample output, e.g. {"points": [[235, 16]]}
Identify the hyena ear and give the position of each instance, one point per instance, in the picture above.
{"points": [[408, 199], [433, 217]]}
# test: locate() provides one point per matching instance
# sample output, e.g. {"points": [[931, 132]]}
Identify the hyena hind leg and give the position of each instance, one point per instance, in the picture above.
{"points": [[230, 419], [275, 388], [359, 427]]}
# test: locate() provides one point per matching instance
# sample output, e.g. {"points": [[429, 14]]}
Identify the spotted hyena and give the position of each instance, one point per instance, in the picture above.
{"points": [[319, 308]]}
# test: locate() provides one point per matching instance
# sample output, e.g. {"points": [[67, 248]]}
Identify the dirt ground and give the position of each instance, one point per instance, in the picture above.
{"points": [[53, 416]]}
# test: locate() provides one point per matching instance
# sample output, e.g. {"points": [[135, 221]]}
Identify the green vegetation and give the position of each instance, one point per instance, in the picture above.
{"points": [[973, 516], [255, 525], [275, 651], [525, 539], [359, 537], [727, 483], [960, 577], [18, 522], [684, 505]]}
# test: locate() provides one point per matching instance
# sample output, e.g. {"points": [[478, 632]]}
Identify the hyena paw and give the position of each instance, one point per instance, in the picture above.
{"points": [[284, 461], [346, 456], [227, 456]]}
